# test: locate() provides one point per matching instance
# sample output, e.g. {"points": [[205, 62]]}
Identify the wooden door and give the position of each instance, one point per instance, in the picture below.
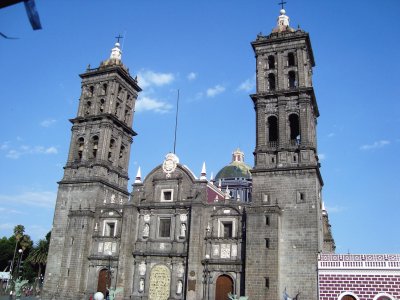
{"points": [[102, 282], [224, 286]]}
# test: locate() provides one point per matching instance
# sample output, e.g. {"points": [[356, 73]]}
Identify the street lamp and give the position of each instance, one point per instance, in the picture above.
{"points": [[20, 251], [109, 278]]}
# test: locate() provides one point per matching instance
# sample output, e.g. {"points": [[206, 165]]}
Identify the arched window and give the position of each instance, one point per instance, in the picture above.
{"points": [[88, 108], [95, 146], [111, 149], [294, 125], [101, 105], [91, 90], [81, 144], [116, 108], [104, 89], [291, 60], [272, 130], [127, 116], [271, 82], [121, 155], [271, 62], [292, 79], [348, 297]]}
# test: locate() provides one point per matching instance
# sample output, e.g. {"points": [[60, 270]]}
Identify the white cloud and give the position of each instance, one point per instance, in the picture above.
{"points": [[212, 92], [4, 145], [335, 209], [47, 122], [375, 145], [4, 210], [149, 78], [192, 76], [6, 226], [332, 134], [321, 156], [247, 85], [25, 149], [146, 103], [43, 199]]}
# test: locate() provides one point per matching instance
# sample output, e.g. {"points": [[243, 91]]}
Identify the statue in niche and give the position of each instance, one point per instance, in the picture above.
{"points": [[180, 270], [179, 287], [146, 230], [183, 230], [142, 268], [141, 285]]}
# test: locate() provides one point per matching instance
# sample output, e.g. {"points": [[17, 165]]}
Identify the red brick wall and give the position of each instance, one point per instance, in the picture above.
{"points": [[365, 286]]}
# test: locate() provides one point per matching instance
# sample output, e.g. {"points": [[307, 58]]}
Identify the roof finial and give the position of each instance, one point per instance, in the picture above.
{"points": [[121, 37], [203, 172], [116, 51], [138, 176], [282, 3], [283, 20]]}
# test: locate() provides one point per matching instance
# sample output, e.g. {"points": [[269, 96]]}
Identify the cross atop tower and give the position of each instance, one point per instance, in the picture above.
{"points": [[121, 37], [282, 3]]}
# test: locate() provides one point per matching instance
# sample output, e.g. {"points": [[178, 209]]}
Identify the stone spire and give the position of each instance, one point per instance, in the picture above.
{"points": [[138, 178], [203, 172]]}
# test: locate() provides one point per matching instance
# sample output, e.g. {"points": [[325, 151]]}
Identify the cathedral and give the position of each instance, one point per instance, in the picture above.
{"points": [[253, 231]]}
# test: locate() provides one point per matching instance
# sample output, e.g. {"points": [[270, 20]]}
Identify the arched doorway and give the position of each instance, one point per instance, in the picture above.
{"points": [[224, 286], [104, 281]]}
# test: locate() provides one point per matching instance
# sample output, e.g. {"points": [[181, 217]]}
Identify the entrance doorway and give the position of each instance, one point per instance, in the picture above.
{"points": [[104, 281], [224, 286]]}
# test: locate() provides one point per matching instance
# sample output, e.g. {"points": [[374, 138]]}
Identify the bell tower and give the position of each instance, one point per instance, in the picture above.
{"points": [[93, 189], [284, 222]]}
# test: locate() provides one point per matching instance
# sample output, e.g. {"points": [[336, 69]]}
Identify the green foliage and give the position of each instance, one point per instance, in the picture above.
{"points": [[33, 258], [6, 252]]}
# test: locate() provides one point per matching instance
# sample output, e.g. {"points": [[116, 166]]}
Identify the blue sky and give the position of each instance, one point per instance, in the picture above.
{"points": [[203, 49]]}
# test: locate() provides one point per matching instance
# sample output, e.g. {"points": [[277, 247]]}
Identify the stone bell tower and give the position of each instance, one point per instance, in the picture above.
{"points": [[284, 221], [94, 182]]}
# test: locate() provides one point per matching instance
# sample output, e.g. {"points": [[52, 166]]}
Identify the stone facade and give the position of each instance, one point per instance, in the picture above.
{"points": [[177, 236]]}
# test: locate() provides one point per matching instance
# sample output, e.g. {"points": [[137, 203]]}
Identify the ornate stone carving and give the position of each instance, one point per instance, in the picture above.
{"points": [[183, 217], [225, 251], [146, 218], [160, 281], [142, 268], [180, 270], [170, 163], [183, 230], [146, 230]]}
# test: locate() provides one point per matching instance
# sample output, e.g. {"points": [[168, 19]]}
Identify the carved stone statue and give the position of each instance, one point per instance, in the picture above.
{"points": [[180, 270], [141, 285], [146, 230], [179, 287], [142, 268], [183, 230]]}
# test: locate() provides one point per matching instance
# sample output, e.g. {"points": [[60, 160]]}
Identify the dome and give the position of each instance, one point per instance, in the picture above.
{"points": [[236, 169]]}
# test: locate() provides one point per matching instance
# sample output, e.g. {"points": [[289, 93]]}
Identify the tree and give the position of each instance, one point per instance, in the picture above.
{"points": [[18, 234], [38, 255]]}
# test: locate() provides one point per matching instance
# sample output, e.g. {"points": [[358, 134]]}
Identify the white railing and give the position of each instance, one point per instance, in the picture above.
{"points": [[359, 261]]}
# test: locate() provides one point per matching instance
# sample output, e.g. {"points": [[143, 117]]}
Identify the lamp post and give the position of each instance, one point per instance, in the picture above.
{"points": [[20, 251], [109, 273], [207, 277]]}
